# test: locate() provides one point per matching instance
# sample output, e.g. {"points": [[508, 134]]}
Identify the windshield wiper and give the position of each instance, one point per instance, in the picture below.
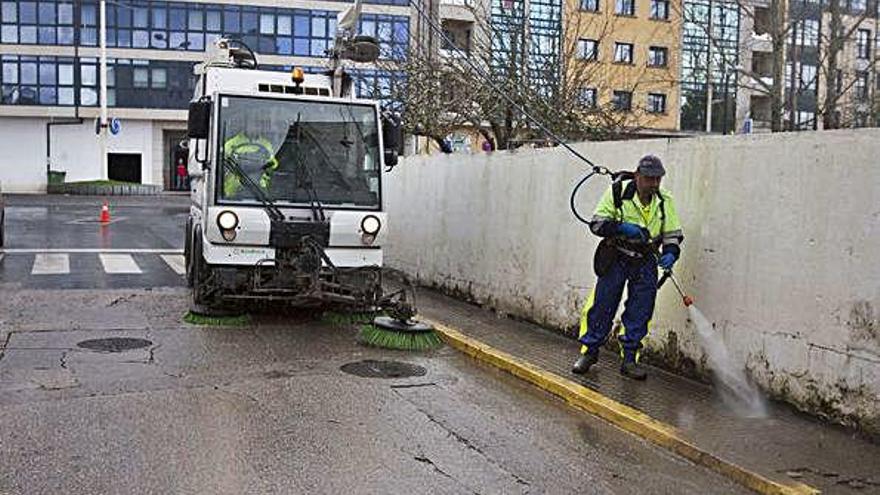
{"points": [[268, 204], [231, 165], [306, 182]]}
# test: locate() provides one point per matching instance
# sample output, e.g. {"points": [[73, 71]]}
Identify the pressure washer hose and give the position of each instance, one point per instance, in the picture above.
{"points": [[596, 170]]}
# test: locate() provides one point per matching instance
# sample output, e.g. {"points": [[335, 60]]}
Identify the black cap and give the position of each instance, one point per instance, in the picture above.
{"points": [[651, 166]]}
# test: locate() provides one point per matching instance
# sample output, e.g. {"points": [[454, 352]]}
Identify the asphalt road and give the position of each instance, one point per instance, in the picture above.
{"points": [[57, 242], [262, 408]]}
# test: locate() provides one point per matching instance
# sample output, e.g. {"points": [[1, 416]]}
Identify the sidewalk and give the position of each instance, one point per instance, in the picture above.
{"points": [[787, 448]]}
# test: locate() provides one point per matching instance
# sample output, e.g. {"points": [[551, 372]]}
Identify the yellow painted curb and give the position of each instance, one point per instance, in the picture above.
{"points": [[620, 415]]}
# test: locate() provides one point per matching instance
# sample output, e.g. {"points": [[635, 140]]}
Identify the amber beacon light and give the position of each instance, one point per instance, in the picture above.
{"points": [[297, 75]]}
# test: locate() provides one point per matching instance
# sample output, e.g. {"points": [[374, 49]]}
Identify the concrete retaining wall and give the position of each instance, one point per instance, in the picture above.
{"points": [[782, 250]]}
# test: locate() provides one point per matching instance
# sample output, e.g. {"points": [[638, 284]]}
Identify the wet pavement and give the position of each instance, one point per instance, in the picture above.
{"points": [[57, 242], [786, 446], [262, 408], [266, 409]]}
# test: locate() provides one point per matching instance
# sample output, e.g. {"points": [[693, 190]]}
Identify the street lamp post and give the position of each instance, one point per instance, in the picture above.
{"points": [[102, 136], [709, 95]]}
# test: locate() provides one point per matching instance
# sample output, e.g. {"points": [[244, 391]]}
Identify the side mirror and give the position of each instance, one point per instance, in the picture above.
{"points": [[392, 138], [199, 120]]}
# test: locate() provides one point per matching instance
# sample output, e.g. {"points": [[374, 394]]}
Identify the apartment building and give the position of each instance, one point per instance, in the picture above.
{"points": [[628, 57], [807, 36]]}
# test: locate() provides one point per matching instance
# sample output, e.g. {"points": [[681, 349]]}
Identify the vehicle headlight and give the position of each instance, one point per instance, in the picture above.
{"points": [[371, 225], [227, 220]]}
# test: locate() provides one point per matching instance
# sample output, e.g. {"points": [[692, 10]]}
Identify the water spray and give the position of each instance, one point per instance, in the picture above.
{"points": [[734, 387]]}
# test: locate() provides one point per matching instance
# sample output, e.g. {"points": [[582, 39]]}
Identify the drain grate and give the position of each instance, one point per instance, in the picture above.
{"points": [[114, 344], [383, 369]]}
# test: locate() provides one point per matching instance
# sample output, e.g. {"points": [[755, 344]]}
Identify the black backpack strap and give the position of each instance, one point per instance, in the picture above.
{"points": [[617, 191], [662, 212], [617, 194]]}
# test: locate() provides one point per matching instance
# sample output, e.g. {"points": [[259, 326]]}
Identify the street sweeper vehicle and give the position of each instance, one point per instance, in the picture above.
{"points": [[286, 183]]}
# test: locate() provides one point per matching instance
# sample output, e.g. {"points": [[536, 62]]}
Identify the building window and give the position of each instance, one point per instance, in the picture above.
{"points": [[657, 56], [587, 97], [808, 77], [47, 23], [656, 103], [159, 78], [660, 9], [622, 101], [858, 5], [28, 80], [861, 85], [863, 44], [588, 49], [141, 77], [193, 26], [625, 7], [623, 53], [590, 5], [805, 120], [807, 33], [88, 73]]}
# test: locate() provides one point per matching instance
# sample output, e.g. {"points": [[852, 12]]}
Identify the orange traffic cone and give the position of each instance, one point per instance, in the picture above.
{"points": [[105, 213]]}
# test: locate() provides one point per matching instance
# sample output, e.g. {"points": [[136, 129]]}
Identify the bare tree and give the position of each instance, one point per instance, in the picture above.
{"points": [[446, 91], [787, 24], [841, 32]]}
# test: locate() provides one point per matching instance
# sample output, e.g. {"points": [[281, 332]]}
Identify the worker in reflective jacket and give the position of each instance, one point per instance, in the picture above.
{"points": [[252, 156], [640, 230]]}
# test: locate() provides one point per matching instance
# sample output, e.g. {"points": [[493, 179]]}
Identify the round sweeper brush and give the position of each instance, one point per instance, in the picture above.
{"points": [[390, 333]]}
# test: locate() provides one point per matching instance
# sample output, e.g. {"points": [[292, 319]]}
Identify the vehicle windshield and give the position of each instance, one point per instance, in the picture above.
{"points": [[298, 152]]}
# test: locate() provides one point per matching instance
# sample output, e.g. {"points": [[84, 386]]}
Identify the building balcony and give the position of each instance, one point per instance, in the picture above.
{"points": [[458, 10], [761, 43], [451, 54], [756, 81]]}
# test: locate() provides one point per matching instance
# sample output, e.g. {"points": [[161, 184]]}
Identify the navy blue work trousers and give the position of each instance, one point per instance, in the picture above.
{"points": [[639, 276]]}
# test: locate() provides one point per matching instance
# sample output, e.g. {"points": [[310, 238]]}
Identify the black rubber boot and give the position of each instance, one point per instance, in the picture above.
{"points": [[582, 365], [634, 370]]}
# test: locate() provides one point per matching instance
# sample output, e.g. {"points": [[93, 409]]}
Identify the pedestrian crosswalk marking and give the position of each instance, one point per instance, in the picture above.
{"points": [[119, 263], [175, 261], [51, 264]]}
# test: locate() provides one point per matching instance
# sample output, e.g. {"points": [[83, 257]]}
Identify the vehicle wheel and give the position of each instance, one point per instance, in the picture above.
{"points": [[187, 252], [203, 294]]}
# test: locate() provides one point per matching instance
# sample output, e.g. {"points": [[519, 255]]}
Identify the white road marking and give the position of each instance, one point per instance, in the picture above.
{"points": [[51, 264], [175, 261], [119, 263], [90, 250]]}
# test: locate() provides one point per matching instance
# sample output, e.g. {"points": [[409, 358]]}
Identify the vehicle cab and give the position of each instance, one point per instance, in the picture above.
{"points": [[286, 185]]}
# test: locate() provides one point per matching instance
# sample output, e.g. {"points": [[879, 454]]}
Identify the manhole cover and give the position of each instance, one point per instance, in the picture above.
{"points": [[383, 369], [114, 344]]}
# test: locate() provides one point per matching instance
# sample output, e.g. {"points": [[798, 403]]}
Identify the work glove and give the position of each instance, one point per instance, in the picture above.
{"points": [[666, 261], [632, 231]]}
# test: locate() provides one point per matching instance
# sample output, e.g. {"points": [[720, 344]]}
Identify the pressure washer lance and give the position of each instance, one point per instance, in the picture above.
{"points": [[667, 274]]}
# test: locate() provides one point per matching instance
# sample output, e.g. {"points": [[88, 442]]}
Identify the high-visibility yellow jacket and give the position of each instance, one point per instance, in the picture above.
{"points": [[659, 217], [240, 146]]}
